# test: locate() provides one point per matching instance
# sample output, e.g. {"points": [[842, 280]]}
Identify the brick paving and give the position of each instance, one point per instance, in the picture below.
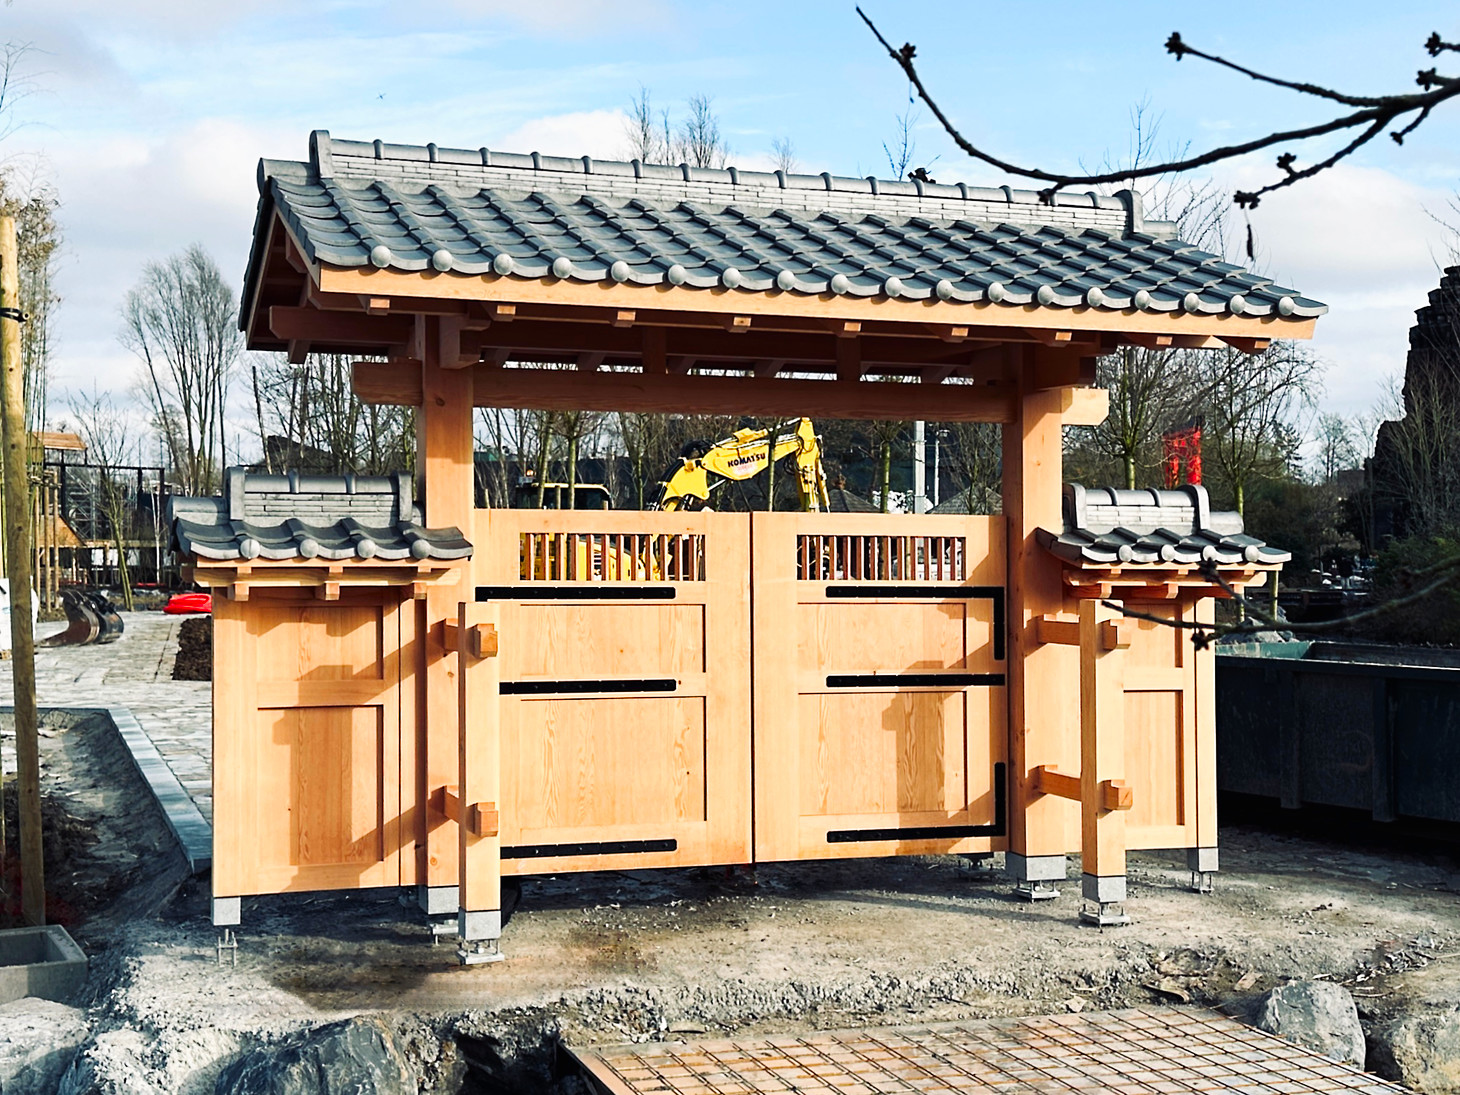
{"points": [[1132, 1052], [135, 673]]}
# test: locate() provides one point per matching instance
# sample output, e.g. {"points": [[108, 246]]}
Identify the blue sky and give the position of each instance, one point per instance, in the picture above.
{"points": [[148, 116]]}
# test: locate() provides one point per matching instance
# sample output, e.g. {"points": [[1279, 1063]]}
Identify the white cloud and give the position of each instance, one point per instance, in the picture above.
{"points": [[1360, 240], [597, 133]]}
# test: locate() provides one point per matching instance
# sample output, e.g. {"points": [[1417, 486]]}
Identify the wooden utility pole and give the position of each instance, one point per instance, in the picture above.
{"points": [[17, 538]]}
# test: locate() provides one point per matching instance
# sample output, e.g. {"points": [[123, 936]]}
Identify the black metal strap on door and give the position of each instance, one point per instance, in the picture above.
{"points": [[915, 680], [578, 688], [995, 594], [936, 832], [602, 591], [595, 847]]}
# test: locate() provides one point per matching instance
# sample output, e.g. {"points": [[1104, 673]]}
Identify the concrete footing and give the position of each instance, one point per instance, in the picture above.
{"points": [[227, 912], [1202, 863], [1035, 875], [43, 962]]}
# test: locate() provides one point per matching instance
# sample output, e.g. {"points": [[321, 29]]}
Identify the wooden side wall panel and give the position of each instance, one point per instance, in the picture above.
{"points": [[1161, 709], [307, 732]]}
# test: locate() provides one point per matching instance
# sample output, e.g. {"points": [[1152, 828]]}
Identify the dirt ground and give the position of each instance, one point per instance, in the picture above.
{"points": [[629, 956]]}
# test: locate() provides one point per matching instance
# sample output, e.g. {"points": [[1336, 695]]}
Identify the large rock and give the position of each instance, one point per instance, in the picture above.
{"points": [[1318, 1015], [357, 1056], [38, 1041], [1421, 1050]]}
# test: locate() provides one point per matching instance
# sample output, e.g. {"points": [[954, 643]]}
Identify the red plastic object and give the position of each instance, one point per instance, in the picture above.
{"points": [[182, 604]]}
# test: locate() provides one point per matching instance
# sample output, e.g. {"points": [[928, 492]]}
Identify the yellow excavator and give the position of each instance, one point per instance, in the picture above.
{"points": [[744, 455]]}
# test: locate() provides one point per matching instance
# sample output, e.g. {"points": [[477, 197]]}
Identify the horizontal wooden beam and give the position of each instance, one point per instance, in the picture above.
{"points": [[462, 287], [340, 328], [1114, 793], [561, 389], [1052, 630], [1048, 780]]}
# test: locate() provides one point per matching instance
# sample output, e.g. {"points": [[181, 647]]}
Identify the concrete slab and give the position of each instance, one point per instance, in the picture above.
{"points": [[1136, 1050]]}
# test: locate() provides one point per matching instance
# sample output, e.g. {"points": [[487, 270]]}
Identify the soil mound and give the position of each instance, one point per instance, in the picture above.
{"points": [[194, 650]]}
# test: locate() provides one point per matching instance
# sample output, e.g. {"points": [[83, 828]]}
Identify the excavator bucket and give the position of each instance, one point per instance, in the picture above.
{"points": [[83, 621], [111, 620]]}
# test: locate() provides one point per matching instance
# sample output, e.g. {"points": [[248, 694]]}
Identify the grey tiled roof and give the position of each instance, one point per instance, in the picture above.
{"points": [[1105, 526], [334, 517], [479, 212]]}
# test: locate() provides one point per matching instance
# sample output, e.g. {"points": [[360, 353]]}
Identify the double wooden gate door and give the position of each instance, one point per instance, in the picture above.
{"points": [[701, 688]]}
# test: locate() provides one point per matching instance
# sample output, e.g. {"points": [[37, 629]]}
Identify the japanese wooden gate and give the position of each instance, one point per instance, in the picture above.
{"points": [[609, 689]]}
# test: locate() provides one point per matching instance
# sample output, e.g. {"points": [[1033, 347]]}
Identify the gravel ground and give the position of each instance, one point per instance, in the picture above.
{"points": [[634, 956]]}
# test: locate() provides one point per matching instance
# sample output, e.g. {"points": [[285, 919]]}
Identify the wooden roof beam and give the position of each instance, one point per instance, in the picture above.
{"points": [[338, 328], [557, 389], [1248, 345]]}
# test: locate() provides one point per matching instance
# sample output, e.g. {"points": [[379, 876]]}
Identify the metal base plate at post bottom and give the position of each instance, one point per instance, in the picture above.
{"points": [[1104, 914], [1036, 891], [1203, 881], [479, 952]]}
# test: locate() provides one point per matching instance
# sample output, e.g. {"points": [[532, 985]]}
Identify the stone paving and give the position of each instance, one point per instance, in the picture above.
{"points": [[134, 673]]}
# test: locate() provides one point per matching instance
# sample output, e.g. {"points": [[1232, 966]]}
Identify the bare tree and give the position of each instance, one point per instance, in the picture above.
{"points": [[974, 453], [1371, 115], [181, 321], [310, 418], [111, 441], [783, 155], [16, 83], [648, 133], [1250, 404], [699, 140], [33, 203], [1338, 446]]}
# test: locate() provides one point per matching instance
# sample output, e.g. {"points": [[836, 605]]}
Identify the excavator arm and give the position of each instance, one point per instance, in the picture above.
{"points": [[744, 455]]}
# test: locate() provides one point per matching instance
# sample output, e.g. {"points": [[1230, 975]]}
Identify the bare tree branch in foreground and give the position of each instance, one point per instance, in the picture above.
{"points": [[1440, 574], [1375, 113]]}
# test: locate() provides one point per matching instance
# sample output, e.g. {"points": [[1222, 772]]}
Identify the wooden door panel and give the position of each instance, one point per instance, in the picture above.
{"points": [[880, 719], [604, 763], [625, 686]]}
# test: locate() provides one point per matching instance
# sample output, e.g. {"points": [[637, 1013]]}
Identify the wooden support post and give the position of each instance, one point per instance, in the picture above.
{"points": [[1203, 858], [1044, 716], [444, 468], [17, 542], [1104, 797], [479, 784]]}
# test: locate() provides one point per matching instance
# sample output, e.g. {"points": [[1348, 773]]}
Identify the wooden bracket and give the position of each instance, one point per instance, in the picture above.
{"points": [[481, 818], [623, 318], [481, 639], [1247, 345], [1115, 795], [1117, 634], [737, 325], [1051, 629]]}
